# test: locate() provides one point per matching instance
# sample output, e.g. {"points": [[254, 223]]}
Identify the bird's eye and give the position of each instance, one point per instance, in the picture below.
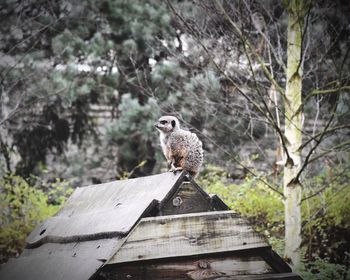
{"points": [[163, 122]]}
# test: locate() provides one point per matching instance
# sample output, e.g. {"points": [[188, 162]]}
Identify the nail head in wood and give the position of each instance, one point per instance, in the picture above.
{"points": [[177, 201], [203, 264]]}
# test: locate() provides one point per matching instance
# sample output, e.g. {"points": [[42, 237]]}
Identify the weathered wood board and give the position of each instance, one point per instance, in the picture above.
{"points": [[90, 228], [78, 261], [280, 276], [105, 210], [217, 203], [187, 199], [193, 268], [101, 226], [276, 262], [187, 235]]}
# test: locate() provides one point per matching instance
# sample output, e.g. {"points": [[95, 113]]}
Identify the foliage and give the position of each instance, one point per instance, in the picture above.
{"points": [[22, 207], [87, 54], [325, 216], [322, 269], [252, 198], [82, 83], [133, 133]]}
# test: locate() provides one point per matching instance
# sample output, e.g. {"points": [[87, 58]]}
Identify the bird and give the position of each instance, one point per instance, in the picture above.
{"points": [[182, 149]]}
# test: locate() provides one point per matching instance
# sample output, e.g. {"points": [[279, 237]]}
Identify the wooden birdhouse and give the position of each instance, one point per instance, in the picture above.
{"points": [[156, 227]]}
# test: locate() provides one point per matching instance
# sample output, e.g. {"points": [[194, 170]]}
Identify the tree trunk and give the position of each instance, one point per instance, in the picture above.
{"points": [[293, 133]]}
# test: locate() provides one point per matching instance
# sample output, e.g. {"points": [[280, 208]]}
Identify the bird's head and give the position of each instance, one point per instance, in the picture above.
{"points": [[167, 124]]}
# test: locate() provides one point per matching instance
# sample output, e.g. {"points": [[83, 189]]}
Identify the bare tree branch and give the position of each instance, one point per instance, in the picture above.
{"points": [[328, 131], [341, 145], [232, 157], [252, 49], [325, 91]]}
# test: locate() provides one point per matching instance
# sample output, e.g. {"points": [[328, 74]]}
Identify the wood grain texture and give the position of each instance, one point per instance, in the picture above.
{"points": [[105, 210], [217, 203], [191, 201], [278, 276], [276, 262], [78, 261], [187, 235], [77, 241], [193, 268], [103, 220]]}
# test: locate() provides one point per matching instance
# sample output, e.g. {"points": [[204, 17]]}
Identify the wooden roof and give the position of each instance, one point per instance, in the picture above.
{"points": [[116, 225], [188, 235], [104, 210], [89, 229]]}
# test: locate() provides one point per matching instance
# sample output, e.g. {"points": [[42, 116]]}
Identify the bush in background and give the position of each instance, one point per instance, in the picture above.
{"points": [[325, 215], [22, 207]]}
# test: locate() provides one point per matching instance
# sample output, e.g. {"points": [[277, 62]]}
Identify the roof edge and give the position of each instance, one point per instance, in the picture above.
{"points": [[75, 238], [184, 176]]}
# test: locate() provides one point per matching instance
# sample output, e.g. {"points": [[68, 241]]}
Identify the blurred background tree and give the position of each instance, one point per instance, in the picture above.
{"points": [[83, 82]]}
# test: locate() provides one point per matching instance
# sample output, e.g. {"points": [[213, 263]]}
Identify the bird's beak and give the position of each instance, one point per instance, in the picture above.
{"points": [[156, 125]]}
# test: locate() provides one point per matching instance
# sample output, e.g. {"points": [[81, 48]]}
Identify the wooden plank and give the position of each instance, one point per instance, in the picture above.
{"points": [[277, 276], [218, 204], [275, 261], [78, 261], [187, 235], [104, 210], [194, 268], [77, 242], [187, 199]]}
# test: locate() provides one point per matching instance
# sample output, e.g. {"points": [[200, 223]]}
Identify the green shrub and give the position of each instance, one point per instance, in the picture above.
{"points": [[22, 207], [322, 269], [252, 199], [326, 223], [325, 215]]}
